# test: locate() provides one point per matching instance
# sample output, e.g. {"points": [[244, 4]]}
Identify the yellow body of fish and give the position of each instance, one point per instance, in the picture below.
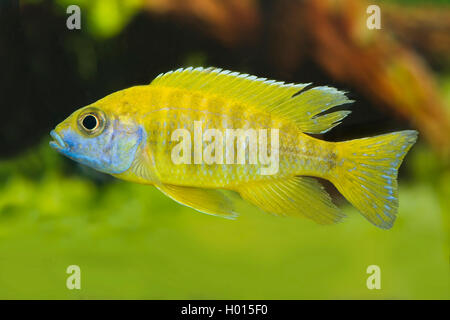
{"points": [[363, 170]]}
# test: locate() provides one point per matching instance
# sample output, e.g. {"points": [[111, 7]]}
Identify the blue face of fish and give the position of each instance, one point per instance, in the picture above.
{"points": [[98, 140]]}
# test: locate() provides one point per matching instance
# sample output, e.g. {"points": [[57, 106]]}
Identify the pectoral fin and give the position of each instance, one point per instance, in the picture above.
{"points": [[209, 201], [302, 196]]}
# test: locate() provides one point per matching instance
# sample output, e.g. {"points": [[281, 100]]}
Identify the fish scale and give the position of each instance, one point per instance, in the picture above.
{"points": [[184, 107]]}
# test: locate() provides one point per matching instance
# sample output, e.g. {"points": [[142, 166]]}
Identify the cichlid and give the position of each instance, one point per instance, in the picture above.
{"points": [[130, 135]]}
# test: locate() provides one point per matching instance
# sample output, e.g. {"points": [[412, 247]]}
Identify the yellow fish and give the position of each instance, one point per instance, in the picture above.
{"points": [[193, 133]]}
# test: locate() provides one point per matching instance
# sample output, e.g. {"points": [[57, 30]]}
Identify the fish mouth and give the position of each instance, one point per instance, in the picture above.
{"points": [[58, 143]]}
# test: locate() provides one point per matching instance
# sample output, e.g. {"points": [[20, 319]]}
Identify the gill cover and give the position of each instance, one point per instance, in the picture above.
{"points": [[100, 141]]}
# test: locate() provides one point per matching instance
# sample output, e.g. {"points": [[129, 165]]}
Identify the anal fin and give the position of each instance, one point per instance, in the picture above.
{"points": [[209, 201], [296, 196]]}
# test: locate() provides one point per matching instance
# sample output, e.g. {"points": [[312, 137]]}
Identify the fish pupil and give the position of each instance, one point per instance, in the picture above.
{"points": [[90, 122]]}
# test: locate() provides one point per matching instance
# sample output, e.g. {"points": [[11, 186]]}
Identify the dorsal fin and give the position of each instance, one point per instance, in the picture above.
{"points": [[268, 95]]}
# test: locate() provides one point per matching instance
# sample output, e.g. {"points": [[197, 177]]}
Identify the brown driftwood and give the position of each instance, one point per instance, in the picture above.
{"points": [[231, 21]]}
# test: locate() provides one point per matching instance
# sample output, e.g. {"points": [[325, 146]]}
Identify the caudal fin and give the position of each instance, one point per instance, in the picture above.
{"points": [[366, 175]]}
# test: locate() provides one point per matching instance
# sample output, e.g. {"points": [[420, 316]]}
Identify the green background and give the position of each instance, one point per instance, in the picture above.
{"points": [[131, 241]]}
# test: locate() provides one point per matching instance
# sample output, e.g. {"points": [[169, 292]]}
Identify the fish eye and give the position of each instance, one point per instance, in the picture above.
{"points": [[91, 122]]}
